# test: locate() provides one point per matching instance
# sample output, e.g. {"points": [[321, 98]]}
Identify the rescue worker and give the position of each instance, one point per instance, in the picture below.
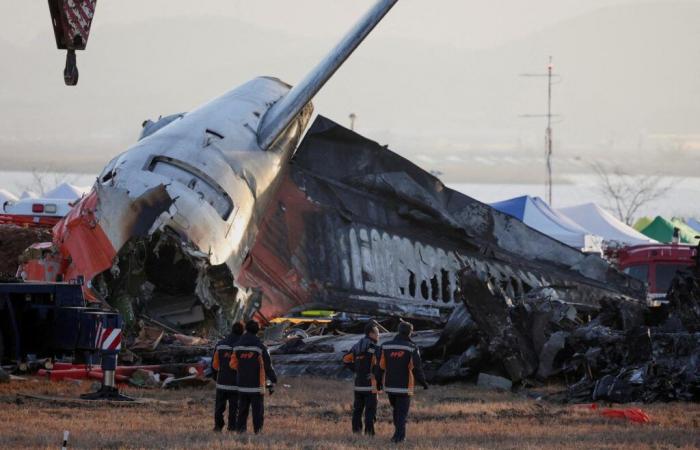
{"points": [[399, 367], [361, 359], [226, 389], [252, 362]]}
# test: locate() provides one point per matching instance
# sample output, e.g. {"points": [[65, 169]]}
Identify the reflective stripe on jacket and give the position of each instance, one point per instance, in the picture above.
{"points": [[361, 359], [225, 376], [252, 362], [400, 365]]}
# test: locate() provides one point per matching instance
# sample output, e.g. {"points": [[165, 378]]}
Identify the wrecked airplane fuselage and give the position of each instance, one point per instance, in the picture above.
{"points": [[356, 227], [349, 225], [209, 198]]}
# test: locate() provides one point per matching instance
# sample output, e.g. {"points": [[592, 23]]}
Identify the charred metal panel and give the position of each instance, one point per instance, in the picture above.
{"points": [[356, 227]]}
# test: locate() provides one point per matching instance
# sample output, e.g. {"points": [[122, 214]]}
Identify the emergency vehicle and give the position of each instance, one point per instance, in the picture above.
{"points": [[655, 264]]}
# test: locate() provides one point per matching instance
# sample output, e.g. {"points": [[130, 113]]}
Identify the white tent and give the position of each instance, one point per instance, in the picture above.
{"points": [[598, 221], [28, 194], [66, 191], [535, 213]]}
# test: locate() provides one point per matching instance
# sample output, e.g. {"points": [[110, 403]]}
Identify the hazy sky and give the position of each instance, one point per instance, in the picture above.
{"points": [[438, 80], [472, 24]]}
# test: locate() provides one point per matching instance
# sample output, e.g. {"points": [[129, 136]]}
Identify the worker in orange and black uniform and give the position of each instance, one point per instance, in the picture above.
{"points": [[226, 388], [361, 359], [252, 361], [399, 367]]}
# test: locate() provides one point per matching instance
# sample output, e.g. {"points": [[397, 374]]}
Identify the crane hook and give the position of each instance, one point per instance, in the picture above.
{"points": [[70, 73]]}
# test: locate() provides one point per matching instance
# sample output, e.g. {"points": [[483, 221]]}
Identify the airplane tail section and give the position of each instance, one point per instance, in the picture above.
{"points": [[282, 113]]}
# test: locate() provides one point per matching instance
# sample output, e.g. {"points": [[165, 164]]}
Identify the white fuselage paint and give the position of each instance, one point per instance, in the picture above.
{"points": [[215, 144]]}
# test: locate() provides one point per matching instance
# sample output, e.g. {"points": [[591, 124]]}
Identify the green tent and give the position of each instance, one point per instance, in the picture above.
{"points": [[662, 230], [642, 223]]}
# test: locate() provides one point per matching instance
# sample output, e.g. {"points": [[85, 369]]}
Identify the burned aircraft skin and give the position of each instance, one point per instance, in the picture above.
{"points": [[355, 227]]}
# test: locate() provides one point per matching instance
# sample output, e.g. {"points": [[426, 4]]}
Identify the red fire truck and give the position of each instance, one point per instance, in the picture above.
{"points": [[656, 264]]}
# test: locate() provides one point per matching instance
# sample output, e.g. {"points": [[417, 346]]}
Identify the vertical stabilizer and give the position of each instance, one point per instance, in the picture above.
{"points": [[282, 113]]}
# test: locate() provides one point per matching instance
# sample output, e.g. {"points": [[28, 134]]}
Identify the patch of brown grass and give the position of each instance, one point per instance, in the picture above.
{"points": [[315, 414]]}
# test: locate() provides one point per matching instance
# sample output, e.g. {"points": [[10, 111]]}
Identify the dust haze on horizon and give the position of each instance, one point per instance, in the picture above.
{"points": [[437, 81]]}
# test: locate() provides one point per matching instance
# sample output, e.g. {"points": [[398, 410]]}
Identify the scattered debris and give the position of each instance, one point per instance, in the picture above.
{"points": [[293, 359], [636, 415], [18, 378], [622, 351], [193, 379], [72, 401], [148, 339], [494, 382], [154, 345], [141, 376], [655, 357], [684, 299], [145, 378], [174, 353], [619, 351], [296, 345], [14, 241], [190, 341], [631, 414]]}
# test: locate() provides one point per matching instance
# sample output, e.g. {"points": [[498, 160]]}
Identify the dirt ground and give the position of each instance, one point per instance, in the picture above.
{"points": [[310, 413]]}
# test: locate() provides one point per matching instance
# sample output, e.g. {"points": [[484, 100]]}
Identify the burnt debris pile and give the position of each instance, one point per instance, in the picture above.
{"points": [[15, 240], [622, 351]]}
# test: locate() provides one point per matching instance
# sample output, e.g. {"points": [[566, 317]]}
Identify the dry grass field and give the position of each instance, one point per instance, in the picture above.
{"points": [[314, 414]]}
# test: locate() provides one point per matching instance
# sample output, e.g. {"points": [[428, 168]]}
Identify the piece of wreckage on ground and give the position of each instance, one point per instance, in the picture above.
{"points": [[619, 352]]}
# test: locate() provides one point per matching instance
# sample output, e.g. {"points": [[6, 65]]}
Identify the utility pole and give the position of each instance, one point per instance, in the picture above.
{"points": [[548, 132], [548, 137], [352, 117]]}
